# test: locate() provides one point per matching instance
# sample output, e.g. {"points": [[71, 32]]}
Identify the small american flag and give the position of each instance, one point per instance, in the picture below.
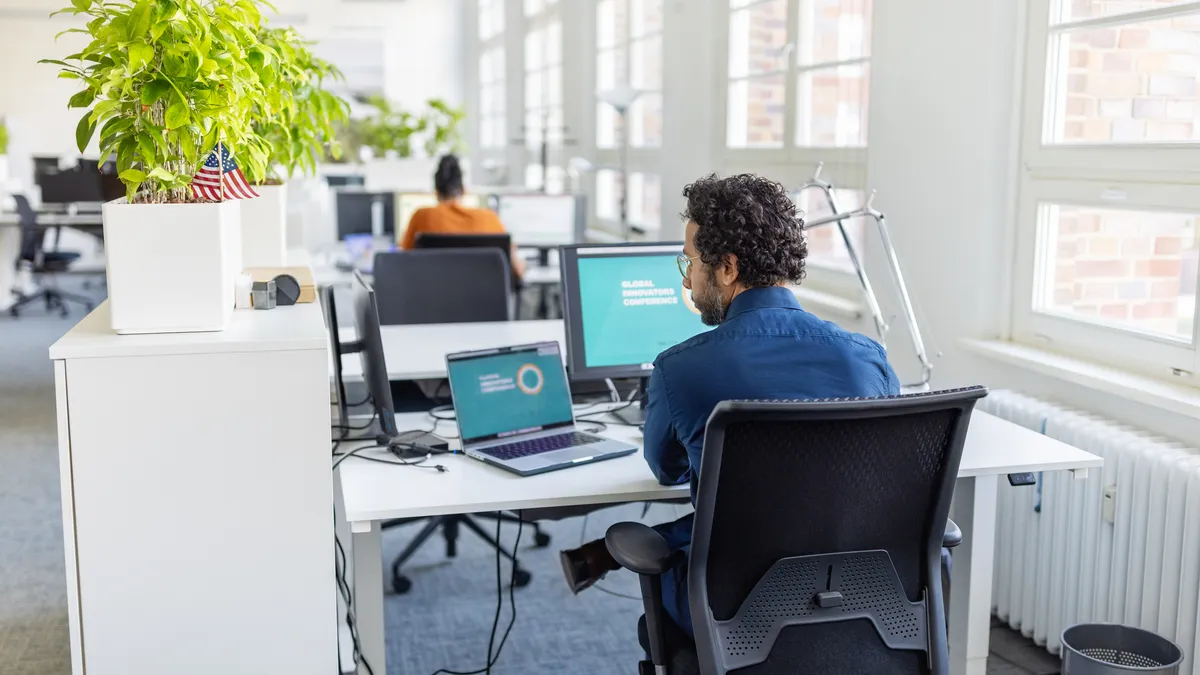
{"points": [[207, 183]]}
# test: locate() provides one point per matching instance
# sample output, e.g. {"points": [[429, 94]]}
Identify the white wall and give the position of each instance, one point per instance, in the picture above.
{"points": [[33, 101], [421, 55]]}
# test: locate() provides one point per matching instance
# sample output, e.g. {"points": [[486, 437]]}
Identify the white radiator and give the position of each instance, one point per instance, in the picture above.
{"points": [[1121, 546]]}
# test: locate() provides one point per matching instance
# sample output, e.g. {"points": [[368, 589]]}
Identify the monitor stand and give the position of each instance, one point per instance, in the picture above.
{"points": [[635, 415]]}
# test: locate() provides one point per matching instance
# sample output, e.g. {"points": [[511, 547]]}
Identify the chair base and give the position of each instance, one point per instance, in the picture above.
{"points": [[449, 525], [54, 299]]}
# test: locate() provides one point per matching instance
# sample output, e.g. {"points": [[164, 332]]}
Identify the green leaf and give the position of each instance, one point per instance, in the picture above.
{"points": [[114, 126], [84, 131], [177, 115], [155, 90], [83, 99], [82, 5], [133, 176], [140, 54], [138, 21], [162, 175], [145, 144], [69, 75]]}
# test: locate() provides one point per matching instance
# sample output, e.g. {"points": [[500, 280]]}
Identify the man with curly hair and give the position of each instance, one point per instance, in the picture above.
{"points": [[744, 245]]}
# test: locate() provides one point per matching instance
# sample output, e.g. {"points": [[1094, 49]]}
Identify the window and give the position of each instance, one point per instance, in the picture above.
{"points": [[629, 42], [543, 85], [1109, 220], [645, 198], [492, 103], [491, 99], [813, 69]]}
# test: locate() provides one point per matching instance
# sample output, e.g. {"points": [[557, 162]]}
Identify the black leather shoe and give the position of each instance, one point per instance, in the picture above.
{"points": [[584, 566]]}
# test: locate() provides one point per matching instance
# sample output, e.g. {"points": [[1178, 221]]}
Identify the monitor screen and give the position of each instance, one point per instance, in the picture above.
{"points": [[513, 390], [624, 305], [539, 220]]}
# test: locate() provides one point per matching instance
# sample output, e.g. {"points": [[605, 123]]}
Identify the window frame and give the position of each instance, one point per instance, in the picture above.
{"points": [[1142, 177], [645, 160], [845, 167]]}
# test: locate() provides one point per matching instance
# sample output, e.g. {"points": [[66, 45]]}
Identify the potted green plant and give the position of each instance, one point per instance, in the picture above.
{"points": [[393, 137], [295, 131], [166, 83]]}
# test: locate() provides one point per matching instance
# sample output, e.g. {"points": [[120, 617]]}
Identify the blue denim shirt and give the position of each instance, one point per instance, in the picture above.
{"points": [[767, 347]]}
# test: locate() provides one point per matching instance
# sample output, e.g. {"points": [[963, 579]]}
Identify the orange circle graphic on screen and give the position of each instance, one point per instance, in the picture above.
{"points": [[525, 370], [687, 300]]}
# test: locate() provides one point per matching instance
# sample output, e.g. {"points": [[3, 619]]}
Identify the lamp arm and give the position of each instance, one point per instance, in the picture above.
{"points": [[869, 211]]}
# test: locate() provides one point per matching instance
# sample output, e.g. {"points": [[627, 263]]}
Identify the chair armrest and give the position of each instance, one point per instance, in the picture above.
{"points": [[638, 548], [953, 535]]}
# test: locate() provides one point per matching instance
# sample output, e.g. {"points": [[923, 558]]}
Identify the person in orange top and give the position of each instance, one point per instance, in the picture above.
{"points": [[451, 217]]}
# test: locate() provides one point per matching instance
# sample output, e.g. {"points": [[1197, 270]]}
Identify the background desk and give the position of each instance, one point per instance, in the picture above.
{"points": [[372, 492]]}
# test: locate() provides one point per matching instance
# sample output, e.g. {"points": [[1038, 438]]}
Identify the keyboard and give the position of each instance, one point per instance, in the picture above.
{"points": [[537, 446]]}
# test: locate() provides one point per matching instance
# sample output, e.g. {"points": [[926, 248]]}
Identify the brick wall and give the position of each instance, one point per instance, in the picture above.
{"points": [[1132, 83], [1134, 267]]}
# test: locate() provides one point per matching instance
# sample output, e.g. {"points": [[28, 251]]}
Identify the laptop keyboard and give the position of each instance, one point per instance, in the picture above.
{"points": [[537, 446]]}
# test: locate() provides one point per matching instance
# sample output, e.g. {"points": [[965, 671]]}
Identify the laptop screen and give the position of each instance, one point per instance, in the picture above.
{"points": [[513, 390]]}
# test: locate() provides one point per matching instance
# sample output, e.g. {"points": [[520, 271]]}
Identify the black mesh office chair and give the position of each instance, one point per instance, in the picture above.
{"points": [[44, 265], [816, 547], [444, 286]]}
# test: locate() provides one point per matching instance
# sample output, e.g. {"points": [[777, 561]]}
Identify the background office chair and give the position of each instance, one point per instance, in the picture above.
{"points": [[499, 242], [816, 547], [445, 286], [442, 286], [44, 265]]}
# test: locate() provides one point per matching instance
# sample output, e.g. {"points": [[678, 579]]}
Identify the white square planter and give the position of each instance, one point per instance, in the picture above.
{"points": [[172, 267], [264, 227]]}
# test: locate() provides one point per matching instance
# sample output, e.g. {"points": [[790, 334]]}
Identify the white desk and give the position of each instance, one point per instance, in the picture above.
{"points": [[372, 492], [46, 220], [419, 352]]}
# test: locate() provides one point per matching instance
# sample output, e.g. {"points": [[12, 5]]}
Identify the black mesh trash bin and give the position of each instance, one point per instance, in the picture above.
{"points": [[1112, 649]]}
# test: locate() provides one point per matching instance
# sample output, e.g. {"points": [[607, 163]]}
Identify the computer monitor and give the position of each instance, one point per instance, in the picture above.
{"points": [[335, 351], [408, 203], [623, 305], [357, 211], [541, 220], [370, 349], [344, 180], [77, 185]]}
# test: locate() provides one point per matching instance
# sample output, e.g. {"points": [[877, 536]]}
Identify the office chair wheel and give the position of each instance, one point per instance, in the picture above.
{"points": [[521, 578], [63, 312], [541, 539], [14, 311], [401, 584]]}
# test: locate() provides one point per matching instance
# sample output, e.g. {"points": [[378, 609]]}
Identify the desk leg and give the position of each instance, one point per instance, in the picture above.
{"points": [[971, 576], [368, 597]]}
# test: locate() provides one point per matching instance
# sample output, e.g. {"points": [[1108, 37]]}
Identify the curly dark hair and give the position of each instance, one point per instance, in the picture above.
{"points": [[753, 218]]}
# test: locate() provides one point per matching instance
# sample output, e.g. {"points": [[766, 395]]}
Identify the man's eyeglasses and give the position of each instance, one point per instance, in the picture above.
{"points": [[684, 261]]}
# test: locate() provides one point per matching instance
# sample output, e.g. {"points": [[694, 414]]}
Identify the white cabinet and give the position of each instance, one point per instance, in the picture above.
{"points": [[197, 497]]}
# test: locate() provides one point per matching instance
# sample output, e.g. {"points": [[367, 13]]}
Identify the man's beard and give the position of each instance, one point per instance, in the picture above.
{"points": [[710, 303]]}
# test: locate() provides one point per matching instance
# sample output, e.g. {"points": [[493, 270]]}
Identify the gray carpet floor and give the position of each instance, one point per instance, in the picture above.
{"points": [[443, 622]]}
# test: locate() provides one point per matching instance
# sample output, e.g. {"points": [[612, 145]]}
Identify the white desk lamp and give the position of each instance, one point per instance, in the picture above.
{"points": [[621, 98], [868, 211]]}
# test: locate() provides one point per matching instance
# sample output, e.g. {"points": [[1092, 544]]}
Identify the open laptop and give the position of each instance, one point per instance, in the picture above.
{"points": [[514, 410]]}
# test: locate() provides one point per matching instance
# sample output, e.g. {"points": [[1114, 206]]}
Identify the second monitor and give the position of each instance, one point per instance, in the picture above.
{"points": [[623, 305]]}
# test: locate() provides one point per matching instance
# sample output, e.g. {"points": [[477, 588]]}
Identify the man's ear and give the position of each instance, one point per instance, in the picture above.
{"points": [[729, 270]]}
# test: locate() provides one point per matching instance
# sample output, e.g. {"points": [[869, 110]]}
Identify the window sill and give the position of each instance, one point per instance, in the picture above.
{"points": [[828, 304], [1175, 398]]}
